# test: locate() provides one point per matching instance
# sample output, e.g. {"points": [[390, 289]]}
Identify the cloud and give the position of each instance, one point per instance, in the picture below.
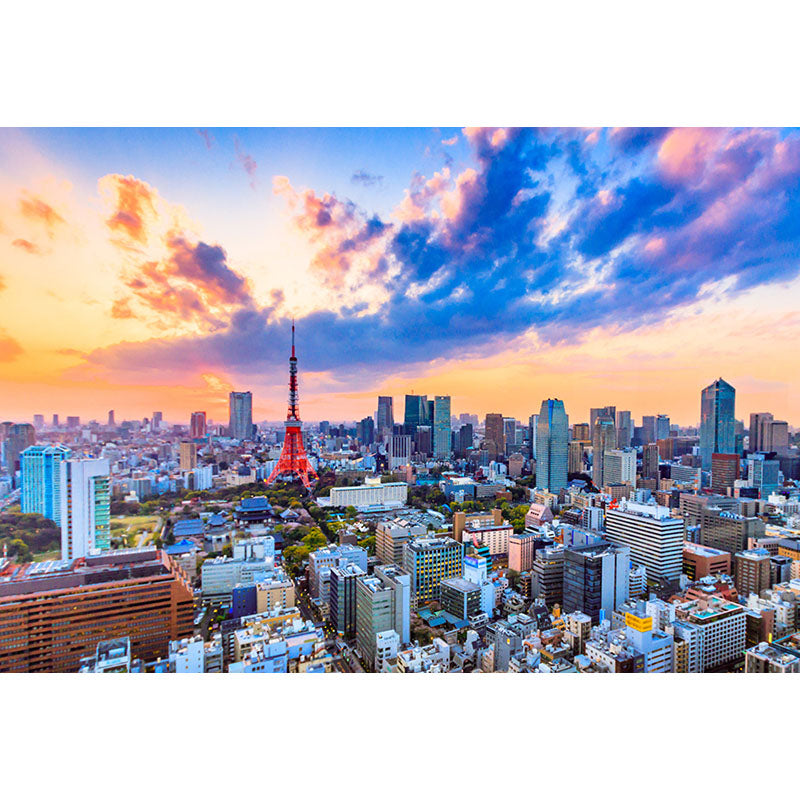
{"points": [[28, 247], [366, 178], [648, 221], [208, 138], [247, 162], [121, 309], [9, 347], [37, 210], [450, 142], [133, 203]]}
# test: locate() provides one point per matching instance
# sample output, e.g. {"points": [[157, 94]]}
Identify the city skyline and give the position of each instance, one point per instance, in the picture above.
{"points": [[594, 265]]}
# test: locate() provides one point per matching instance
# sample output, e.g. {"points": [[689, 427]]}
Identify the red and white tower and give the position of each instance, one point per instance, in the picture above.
{"points": [[293, 458]]}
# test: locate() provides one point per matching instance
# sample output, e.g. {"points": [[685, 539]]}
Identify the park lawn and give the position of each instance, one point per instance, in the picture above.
{"points": [[129, 528], [48, 555]]}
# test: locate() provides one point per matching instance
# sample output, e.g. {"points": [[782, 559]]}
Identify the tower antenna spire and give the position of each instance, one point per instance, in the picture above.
{"points": [[293, 459]]}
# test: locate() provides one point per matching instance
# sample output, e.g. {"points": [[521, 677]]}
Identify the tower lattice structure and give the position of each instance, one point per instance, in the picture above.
{"points": [[293, 458]]}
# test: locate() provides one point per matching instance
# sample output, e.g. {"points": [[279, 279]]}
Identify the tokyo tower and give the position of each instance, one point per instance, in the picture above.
{"points": [[293, 458]]}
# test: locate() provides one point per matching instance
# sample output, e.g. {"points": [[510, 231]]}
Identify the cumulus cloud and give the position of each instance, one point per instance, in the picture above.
{"points": [[133, 204], [647, 220]]}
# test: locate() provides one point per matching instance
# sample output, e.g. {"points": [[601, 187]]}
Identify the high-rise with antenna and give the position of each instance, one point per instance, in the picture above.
{"points": [[293, 460]]}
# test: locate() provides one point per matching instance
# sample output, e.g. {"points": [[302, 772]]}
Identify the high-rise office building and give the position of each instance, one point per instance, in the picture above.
{"points": [[155, 423], [509, 433], [240, 407], [724, 472], [58, 611], [197, 425], [188, 456], [604, 439], [650, 459], [494, 435], [41, 480], [752, 571], [756, 421], [383, 603], [774, 436], [596, 579], [619, 466], [398, 449], [111, 421], [762, 473], [581, 432], [85, 487], [416, 412], [726, 530], [662, 426], [74, 422], [654, 537], [717, 409], [624, 429], [384, 419], [365, 431], [441, 427], [38, 422], [575, 457], [55, 420], [424, 440], [533, 425], [465, 436], [552, 446], [15, 438], [342, 602], [606, 411], [428, 560]]}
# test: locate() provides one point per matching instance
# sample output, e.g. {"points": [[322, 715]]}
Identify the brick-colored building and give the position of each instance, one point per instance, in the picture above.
{"points": [[700, 562], [53, 613]]}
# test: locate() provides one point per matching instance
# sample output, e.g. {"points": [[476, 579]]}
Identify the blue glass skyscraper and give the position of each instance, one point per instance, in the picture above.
{"points": [[41, 487], [717, 408], [552, 446]]}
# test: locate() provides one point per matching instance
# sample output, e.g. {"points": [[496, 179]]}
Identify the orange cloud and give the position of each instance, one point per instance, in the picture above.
{"points": [[685, 151], [134, 201], [28, 247], [35, 209], [9, 348]]}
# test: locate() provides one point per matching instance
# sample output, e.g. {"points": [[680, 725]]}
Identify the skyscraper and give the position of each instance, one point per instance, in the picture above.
{"points": [[384, 421], [624, 429], [441, 427], [604, 439], [111, 421], [41, 480], [606, 411], [724, 472], [596, 579], [155, 423], [552, 437], [188, 456], [756, 420], [197, 425], [240, 406], [85, 487], [662, 426], [494, 435], [15, 439], [416, 412], [533, 424], [717, 408], [509, 433]]}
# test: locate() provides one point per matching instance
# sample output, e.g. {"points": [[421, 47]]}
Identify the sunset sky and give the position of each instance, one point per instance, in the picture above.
{"points": [[157, 269]]}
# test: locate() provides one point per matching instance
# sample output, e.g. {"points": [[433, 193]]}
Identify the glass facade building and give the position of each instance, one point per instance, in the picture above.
{"points": [[41, 480], [441, 427], [552, 446], [717, 408], [240, 422]]}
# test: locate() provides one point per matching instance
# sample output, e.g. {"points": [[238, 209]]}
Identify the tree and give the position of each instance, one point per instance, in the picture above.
{"points": [[350, 512], [315, 539], [513, 577]]}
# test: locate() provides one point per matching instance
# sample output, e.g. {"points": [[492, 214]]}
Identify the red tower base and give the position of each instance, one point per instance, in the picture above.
{"points": [[293, 458]]}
